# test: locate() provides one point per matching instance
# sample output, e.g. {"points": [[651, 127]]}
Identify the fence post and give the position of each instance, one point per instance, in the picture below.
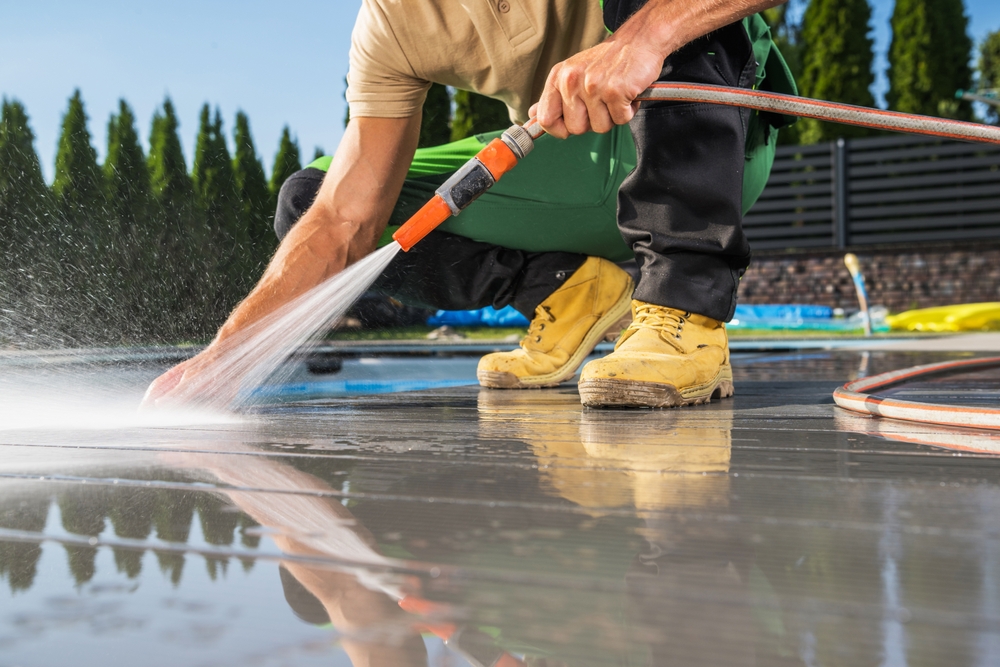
{"points": [[841, 188]]}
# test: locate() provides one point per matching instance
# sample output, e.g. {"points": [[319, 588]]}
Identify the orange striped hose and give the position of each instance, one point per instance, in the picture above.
{"points": [[858, 396], [499, 158]]}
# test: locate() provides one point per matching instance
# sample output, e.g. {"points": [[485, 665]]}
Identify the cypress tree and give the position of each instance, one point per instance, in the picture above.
{"points": [[78, 185], [435, 117], [19, 561], [83, 298], [183, 251], [131, 515], [253, 195], [126, 176], [929, 58], [212, 171], [169, 179], [836, 62], [286, 162], [476, 113], [23, 212], [318, 152], [125, 171], [22, 188], [82, 514], [989, 70], [216, 196]]}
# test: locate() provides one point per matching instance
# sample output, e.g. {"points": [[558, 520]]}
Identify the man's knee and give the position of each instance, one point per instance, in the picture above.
{"points": [[295, 197]]}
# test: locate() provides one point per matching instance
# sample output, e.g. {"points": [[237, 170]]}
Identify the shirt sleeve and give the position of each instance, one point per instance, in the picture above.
{"points": [[381, 82]]}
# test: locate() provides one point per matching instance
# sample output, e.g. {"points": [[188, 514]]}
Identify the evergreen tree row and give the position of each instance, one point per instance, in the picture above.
{"points": [[137, 249], [830, 52], [131, 513]]}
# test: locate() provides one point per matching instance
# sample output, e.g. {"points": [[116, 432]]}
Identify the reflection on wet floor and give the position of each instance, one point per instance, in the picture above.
{"points": [[459, 526]]}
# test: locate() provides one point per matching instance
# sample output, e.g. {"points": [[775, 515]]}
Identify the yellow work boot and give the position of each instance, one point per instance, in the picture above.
{"points": [[566, 328], [666, 358]]}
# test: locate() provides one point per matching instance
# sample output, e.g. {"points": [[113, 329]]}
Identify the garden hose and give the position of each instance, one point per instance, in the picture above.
{"points": [[502, 154], [859, 396]]}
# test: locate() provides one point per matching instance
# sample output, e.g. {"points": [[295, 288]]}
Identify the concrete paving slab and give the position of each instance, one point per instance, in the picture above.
{"points": [[359, 527]]}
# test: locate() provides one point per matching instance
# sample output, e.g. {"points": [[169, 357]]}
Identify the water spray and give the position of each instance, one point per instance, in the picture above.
{"points": [[258, 353]]}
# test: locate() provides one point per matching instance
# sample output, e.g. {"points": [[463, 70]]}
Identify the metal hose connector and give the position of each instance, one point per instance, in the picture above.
{"points": [[518, 140]]}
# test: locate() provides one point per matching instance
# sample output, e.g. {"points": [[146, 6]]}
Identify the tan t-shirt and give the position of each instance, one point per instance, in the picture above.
{"points": [[500, 48]]}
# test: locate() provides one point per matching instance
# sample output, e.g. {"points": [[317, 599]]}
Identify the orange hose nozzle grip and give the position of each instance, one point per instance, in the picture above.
{"points": [[466, 185], [423, 222]]}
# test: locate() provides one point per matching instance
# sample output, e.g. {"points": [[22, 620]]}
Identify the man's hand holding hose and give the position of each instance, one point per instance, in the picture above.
{"points": [[596, 89]]}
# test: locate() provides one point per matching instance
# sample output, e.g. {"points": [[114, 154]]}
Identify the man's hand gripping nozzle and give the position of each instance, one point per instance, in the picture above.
{"points": [[466, 185]]}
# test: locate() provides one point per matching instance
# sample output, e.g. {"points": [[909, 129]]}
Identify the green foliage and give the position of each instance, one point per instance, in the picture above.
{"points": [[256, 213], [216, 195], [286, 162], [134, 244], [435, 117], [836, 62], [24, 208], [929, 58], [78, 184], [475, 114], [81, 292], [19, 560], [169, 179], [989, 70], [212, 171], [126, 173], [21, 180], [136, 250], [178, 231], [787, 36]]}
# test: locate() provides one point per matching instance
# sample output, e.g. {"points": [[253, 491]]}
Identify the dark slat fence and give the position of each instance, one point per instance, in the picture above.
{"points": [[899, 189]]}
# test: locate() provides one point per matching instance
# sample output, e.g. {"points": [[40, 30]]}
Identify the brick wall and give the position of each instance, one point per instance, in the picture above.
{"points": [[898, 278]]}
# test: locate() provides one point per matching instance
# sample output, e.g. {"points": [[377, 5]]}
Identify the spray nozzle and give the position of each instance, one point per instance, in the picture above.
{"points": [[467, 184]]}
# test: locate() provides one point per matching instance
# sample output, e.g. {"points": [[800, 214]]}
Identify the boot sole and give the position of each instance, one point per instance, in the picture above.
{"points": [[603, 327], [634, 394]]}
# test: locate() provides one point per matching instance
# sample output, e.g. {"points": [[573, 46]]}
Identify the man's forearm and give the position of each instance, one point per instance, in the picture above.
{"points": [[667, 25], [344, 224]]}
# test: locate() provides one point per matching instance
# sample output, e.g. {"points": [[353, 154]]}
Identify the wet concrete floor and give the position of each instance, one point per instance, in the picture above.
{"points": [[365, 523]]}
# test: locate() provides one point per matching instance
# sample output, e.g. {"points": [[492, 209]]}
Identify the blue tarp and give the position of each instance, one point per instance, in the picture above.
{"points": [[484, 317], [791, 311], [508, 317], [766, 316]]}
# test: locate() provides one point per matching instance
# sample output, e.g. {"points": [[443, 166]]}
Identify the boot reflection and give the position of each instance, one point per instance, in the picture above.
{"points": [[688, 592], [677, 459], [601, 460], [688, 598]]}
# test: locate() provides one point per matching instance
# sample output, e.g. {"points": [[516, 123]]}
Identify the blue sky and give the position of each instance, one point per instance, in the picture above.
{"points": [[279, 62]]}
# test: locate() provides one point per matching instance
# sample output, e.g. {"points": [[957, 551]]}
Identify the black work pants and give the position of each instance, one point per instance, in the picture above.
{"points": [[445, 271], [681, 209]]}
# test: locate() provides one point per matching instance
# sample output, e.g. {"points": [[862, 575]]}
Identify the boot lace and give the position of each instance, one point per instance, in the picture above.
{"points": [[543, 316], [667, 322]]}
